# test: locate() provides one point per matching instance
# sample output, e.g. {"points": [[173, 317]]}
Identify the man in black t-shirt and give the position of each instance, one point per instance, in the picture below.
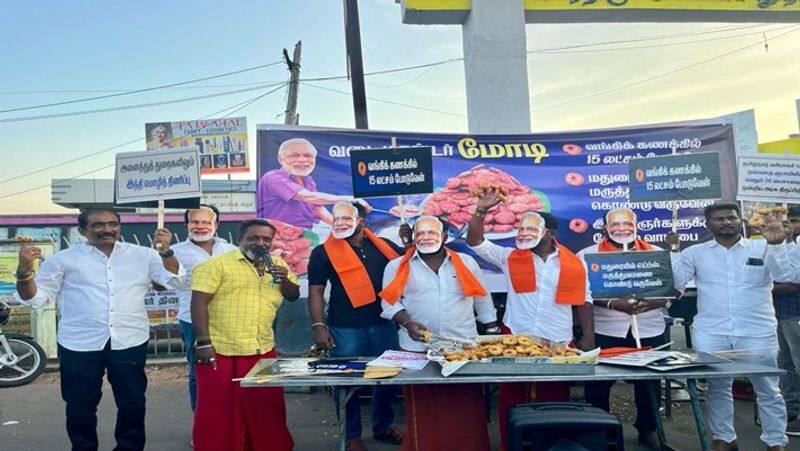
{"points": [[352, 261]]}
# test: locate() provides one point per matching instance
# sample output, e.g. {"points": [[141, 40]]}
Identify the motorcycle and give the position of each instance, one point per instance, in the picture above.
{"points": [[22, 360]]}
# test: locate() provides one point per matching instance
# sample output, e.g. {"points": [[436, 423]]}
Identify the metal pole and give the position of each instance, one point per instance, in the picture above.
{"points": [[355, 65]]}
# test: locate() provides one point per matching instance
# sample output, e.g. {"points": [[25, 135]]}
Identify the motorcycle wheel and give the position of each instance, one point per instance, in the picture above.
{"points": [[31, 361]]}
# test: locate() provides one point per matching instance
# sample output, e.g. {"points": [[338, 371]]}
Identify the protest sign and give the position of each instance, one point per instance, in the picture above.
{"points": [[161, 307], [222, 142], [691, 176], [769, 179], [648, 274], [143, 176], [391, 172], [576, 176], [9, 260]]}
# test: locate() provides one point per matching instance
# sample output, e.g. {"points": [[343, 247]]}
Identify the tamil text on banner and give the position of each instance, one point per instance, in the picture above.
{"points": [[222, 142], [613, 275], [390, 172], [577, 176], [145, 176], [769, 178], [689, 176], [162, 307]]}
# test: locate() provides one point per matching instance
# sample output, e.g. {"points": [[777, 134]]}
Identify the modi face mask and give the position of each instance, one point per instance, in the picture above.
{"points": [[202, 224], [428, 234], [345, 220], [621, 226], [531, 229]]}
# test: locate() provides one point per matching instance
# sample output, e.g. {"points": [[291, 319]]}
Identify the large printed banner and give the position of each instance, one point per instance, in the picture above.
{"points": [[222, 142], [769, 178], [578, 176]]}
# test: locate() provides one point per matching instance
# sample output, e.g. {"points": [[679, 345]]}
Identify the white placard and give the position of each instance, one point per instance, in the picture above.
{"points": [[162, 175], [769, 178]]}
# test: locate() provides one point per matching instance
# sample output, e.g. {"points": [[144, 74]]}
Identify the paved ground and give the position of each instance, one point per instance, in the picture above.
{"points": [[32, 418]]}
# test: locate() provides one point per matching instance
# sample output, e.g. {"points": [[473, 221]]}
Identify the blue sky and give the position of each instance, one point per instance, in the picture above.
{"points": [[123, 45]]}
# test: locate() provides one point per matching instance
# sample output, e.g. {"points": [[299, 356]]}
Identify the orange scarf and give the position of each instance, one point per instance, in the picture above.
{"points": [[607, 246], [571, 289], [351, 270], [469, 284]]}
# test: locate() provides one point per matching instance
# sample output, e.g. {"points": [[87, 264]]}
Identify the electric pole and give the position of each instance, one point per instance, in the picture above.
{"points": [[355, 66], [291, 117]]}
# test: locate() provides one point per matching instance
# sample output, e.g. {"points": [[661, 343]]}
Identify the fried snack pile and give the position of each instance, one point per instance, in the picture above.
{"points": [[757, 220], [458, 199], [509, 346]]}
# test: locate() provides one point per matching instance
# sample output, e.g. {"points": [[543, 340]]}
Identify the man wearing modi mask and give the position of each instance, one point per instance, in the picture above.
{"points": [[351, 261], [613, 326], [432, 288], [200, 245], [546, 284]]}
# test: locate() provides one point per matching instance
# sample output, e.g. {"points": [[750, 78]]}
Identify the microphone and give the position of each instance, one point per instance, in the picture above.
{"points": [[264, 254]]}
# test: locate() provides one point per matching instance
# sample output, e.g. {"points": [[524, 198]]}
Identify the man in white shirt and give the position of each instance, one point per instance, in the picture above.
{"points": [[433, 288], [734, 278], [546, 285], [200, 245], [613, 327], [100, 287]]}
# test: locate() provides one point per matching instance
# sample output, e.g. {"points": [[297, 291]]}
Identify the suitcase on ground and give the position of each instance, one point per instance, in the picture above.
{"points": [[562, 427]]}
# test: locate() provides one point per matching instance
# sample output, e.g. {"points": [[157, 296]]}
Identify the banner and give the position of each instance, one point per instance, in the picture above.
{"points": [[577, 176], [648, 274], [395, 171], [145, 176], [675, 177], [769, 178], [222, 142], [162, 307], [9, 260]]}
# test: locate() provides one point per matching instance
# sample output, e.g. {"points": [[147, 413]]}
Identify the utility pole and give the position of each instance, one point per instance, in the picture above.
{"points": [[291, 117], [355, 65]]}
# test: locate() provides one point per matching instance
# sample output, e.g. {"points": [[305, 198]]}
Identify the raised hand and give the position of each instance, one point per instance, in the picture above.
{"points": [[27, 257]]}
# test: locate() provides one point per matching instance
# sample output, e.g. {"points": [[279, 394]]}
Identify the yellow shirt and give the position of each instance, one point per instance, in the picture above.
{"points": [[244, 305]]}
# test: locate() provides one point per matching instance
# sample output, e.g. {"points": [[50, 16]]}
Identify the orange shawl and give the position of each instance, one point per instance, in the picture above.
{"points": [[351, 270], [607, 246], [571, 287], [469, 284]]}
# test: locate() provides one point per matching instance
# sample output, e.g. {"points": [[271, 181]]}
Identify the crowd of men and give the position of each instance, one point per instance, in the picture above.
{"points": [[383, 296]]}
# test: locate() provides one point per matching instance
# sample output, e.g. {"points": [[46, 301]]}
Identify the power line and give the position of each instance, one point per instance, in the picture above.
{"points": [[137, 91], [238, 107], [391, 102], [648, 38], [666, 44], [131, 107], [662, 75]]}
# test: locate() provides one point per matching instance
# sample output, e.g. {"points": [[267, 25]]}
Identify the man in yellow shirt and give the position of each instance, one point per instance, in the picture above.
{"points": [[235, 297]]}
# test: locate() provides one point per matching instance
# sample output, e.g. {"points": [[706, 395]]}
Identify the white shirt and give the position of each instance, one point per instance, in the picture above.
{"points": [[99, 297], [733, 297], [617, 324], [436, 300], [535, 313], [191, 255]]}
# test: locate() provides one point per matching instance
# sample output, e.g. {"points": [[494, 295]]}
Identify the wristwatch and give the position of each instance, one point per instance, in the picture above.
{"points": [[167, 254]]}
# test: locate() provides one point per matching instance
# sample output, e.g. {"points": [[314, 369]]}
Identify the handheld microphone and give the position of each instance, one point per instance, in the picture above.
{"points": [[264, 254]]}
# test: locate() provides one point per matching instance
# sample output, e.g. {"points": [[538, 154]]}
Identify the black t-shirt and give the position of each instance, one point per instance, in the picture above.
{"points": [[340, 311]]}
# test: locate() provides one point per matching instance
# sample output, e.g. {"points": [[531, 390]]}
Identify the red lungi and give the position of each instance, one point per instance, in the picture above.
{"points": [[511, 394], [441, 417], [230, 417]]}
